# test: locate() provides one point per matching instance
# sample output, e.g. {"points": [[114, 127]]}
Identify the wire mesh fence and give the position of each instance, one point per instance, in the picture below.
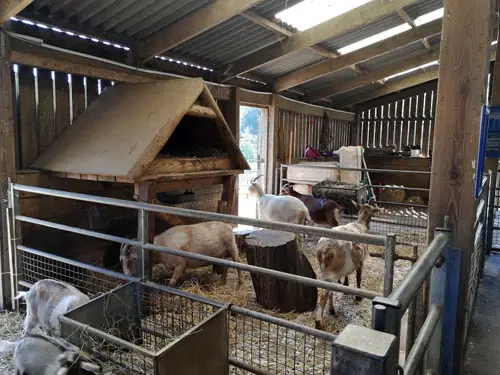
{"points": [[140, 329], [267, 347], [409, 223], [37, 265], [125, 342]]}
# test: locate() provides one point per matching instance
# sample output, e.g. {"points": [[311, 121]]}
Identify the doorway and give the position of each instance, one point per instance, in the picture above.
{"points": [[253, 145]]}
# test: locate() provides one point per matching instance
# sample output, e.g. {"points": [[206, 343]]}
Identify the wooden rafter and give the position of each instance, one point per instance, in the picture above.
{"points": [[406, 17], [9, 8], [190, 26], [274, 27], [361, 15], [48, 57], [315, 71], [373, 76], [389, 88]]}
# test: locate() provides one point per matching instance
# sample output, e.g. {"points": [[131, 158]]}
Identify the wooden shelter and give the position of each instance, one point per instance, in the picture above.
{"points": [[145, 132], [166, 138]]}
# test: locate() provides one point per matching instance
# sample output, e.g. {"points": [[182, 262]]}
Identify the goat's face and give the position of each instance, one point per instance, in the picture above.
{"points": [[128, 258], [72, 363], [286, 190], [253, 190], [368, 210]]}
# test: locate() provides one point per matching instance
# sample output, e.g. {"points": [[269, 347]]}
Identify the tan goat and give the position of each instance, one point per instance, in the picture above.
{"points": [[339, 258], [212, 238]]}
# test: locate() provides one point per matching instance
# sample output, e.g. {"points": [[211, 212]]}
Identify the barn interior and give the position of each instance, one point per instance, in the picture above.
{"points": [[152, 101]]}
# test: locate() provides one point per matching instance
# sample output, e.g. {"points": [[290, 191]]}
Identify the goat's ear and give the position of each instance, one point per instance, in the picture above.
{"points": [[355, 204], [90, 367]]}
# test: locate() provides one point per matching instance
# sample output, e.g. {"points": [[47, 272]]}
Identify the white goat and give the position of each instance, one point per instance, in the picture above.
{"points": [[41, 355], [280, 208], [212, 238], [339, 258], [46, 300]]}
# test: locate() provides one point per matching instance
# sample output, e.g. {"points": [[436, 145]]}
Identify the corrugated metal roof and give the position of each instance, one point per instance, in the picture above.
{"points": [[397, 55], [289, 63], [423, 7], [228, 41], [382, 24], [133, 18], [268, 8], [362, 32], [327, 80]]}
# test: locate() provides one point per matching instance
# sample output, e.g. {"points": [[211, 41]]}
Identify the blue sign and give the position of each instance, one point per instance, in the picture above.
{"points": [[489, 142]]}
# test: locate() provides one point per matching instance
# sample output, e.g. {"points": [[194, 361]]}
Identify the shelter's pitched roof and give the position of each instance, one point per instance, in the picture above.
{"points": [[126, 127]]}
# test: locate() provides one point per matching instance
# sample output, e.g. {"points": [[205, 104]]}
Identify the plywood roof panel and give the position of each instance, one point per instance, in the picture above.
{"points": [[125, 128]]}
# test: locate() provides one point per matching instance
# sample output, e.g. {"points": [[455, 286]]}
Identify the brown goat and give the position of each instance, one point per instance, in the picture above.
{"points": [[212, 238], [321, 210], [339, 258]]}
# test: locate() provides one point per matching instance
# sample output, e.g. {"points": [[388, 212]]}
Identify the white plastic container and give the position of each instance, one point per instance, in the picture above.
{"points": [[313, 174], [350, 157]]}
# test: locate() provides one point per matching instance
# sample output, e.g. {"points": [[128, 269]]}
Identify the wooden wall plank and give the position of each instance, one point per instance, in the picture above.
{"points": [[62, 103], [28, 117], [91, 90], [46, 110], [78, 92]]}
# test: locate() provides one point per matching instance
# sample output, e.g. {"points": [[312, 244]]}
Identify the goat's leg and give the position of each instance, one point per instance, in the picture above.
{"points": [[323, 298], [30, 321], [178, 271], [233, 253], [346, 281], [359, 274], [330, 304]]}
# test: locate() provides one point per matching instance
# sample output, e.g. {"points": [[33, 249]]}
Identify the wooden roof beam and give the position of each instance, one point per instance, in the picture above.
{"points": [[373, 76], [336, 26], [190, 26], [390, 87], [9, 8], [406, 17], [278, 29], [309, 73]]}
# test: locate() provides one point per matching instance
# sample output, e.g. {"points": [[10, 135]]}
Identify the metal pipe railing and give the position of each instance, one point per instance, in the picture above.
{"points": [[371, 239], [419, 272], [204, 258], [422, 341], [354, 169]]}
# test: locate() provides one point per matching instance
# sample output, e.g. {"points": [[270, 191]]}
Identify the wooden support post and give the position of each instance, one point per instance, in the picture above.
{"points": [[461, 89], [7, 162], [226, 204], [232, 115], [272, 147], [145, 192]]}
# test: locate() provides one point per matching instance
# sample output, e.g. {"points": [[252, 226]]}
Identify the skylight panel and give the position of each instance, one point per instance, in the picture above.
{"points": [[374, 38], [435, 15], [309, 13], [432, 63]]}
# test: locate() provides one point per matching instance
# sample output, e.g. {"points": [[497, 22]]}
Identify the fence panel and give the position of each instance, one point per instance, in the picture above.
{"points": [[400, 121]]}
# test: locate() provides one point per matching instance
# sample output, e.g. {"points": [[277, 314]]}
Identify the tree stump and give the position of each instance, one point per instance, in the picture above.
{"points": [[279, 251]]}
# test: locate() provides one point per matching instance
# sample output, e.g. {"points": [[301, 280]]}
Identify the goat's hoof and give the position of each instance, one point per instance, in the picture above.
{"points": [[358, 298], [317, 324]]}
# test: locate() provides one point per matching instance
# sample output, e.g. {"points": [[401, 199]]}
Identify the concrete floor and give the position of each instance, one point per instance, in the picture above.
{"points": [[482, 355]]}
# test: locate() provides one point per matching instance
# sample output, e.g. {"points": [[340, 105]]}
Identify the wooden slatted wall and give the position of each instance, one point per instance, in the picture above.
{"points": [[402, 120], [46, 104], [311, 130]]}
